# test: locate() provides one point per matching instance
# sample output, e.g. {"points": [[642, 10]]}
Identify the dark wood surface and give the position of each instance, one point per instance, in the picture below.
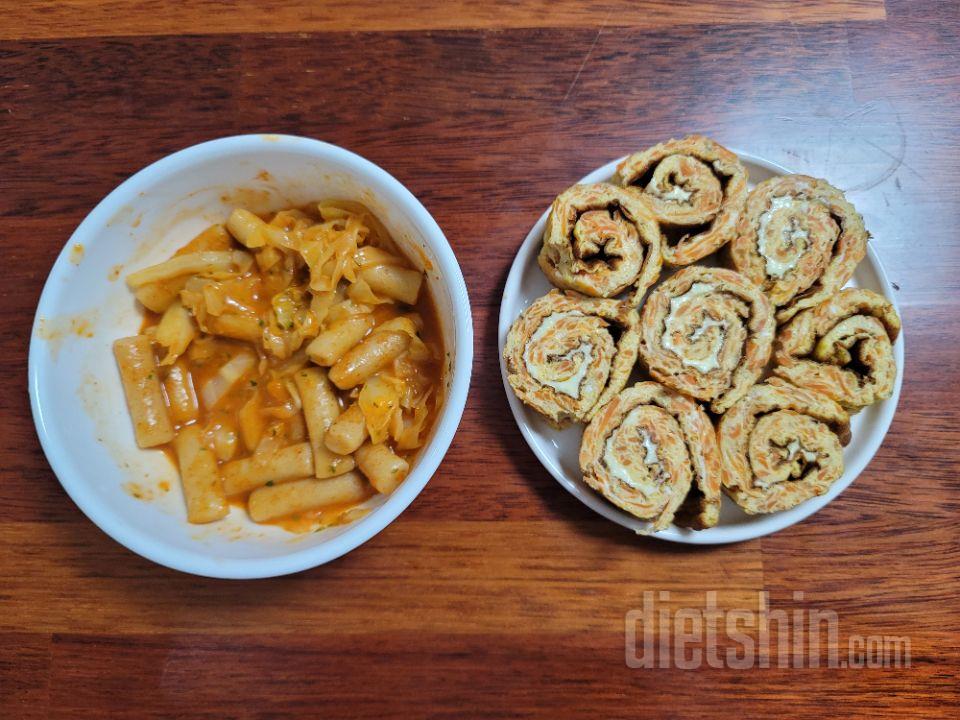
{"points": [[496, 593]]}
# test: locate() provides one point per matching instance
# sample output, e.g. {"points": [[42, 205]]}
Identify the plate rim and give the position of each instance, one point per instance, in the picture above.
{"points": [[758, 525]]}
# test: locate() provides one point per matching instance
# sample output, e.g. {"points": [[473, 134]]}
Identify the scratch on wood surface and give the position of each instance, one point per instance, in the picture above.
{"points": [[586, 57], [897, 159]]}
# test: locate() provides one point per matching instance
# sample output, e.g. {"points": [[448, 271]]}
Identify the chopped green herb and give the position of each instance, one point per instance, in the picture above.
{"points": [[269, 483], [253, 383]]}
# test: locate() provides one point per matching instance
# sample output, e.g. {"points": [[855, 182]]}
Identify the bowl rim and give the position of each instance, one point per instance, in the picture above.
{"points": [[760, 525], [201, 563]]}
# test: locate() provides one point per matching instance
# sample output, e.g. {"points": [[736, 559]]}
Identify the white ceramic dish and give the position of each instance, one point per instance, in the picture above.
{"points": [[74, 385], [558, 450]]}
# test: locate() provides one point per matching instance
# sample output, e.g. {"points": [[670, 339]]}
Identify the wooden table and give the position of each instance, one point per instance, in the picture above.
{"points": [[496, 593]]}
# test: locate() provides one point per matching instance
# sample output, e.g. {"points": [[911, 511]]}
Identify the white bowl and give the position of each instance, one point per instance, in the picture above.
{"points": [[558, 450], [74, 385]]}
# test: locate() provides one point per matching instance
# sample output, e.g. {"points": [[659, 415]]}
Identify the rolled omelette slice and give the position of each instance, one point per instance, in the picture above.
{"points": [[800, 240], [654, 453], [708, 333], [599, 241], [780, 445], [696, 188], [842, 348], [567, 354]]}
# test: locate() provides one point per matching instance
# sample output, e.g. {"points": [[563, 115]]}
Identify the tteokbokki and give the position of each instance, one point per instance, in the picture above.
{"points": [[291, 363]]}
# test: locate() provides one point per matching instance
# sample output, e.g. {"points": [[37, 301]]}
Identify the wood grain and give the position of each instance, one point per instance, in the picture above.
{"points": [[506, 676], [35, 19], [496, 593]]}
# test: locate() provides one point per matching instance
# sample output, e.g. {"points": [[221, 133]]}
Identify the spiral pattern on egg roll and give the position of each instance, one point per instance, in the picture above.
{"points": [[780, 445], [695, 187], [800, 240], [708, 333], [568, 354], [599, 241], [843, 348], [654, 453]]}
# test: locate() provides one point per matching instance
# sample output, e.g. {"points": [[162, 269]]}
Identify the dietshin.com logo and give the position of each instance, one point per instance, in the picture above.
{"points": [[662, 634]]}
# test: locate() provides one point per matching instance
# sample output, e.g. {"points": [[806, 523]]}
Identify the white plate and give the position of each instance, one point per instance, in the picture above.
{"points": [[558, 449]]}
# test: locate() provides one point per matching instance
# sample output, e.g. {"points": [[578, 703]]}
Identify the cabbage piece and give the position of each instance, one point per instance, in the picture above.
{"points": [[379, 401], [217, 387], [410, 324], [206, 263], [291, 323], [413, 426], [369, 255], [175, 332], [361, 292], [329, 248]]}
